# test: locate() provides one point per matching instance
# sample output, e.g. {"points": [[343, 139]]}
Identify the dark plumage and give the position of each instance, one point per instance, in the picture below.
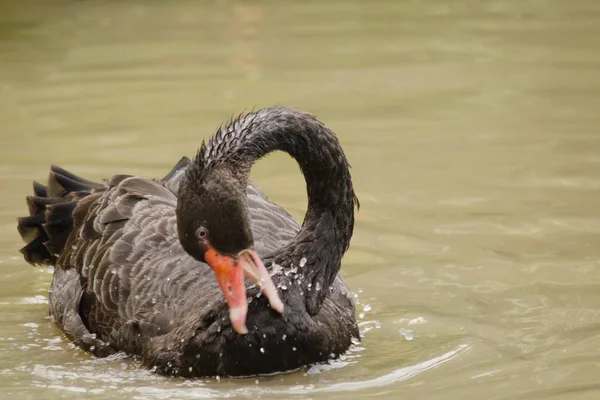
{"points": [[129, 255]]}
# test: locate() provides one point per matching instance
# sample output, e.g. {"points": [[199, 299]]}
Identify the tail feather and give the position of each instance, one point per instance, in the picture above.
{"points": [[32, 221], [73, 177], [28, 227], [58, 225], [39, 189], [59, 185], [50, 221], [37, 205], [36, 253]]}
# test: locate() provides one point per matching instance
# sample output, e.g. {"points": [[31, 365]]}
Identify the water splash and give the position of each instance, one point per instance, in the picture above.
{"points": [[408, 334]]}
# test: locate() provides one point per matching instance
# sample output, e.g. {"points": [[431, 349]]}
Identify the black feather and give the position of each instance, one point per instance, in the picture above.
{"points": [[123, 281]]}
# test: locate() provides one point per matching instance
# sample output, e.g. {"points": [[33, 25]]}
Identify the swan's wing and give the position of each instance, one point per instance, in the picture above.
{"points": [[125, 248], [136, 279], [272, 226], [173, 178]]}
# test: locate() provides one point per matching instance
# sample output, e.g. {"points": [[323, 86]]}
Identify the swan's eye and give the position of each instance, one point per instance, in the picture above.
{"points": [[202, 233]]}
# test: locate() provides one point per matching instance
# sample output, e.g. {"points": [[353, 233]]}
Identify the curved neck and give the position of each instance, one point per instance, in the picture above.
{"points": [[330, 212]]}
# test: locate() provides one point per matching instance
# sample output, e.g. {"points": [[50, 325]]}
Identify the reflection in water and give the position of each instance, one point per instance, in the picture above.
{"points": [[472, 131]]}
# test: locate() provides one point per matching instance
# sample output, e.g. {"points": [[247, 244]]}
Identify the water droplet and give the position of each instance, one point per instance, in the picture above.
{"points": [[302, 262], [114, 271], [218, 378], [366, 308], [154, 300], [262, 350], [332, 355], [284, 336], [92, 348], [197, 355], [318, 286], [408, 334], [190, 369], [355, 341], [294, 349], [182, 340], [218, 328], [256, 381], [264, 335], [276, 269], [283, 287], [361, 315]]}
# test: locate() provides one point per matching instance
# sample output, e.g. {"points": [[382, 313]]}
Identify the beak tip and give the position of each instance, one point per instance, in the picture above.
{"points": [[237, 316], [277, 305], [242, 330]]}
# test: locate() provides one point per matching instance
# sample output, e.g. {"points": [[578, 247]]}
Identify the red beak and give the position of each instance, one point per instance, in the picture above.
{"points": [[230, 275]]}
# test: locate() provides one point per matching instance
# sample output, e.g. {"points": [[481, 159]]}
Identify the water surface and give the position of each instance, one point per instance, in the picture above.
{"points": [[472, 128]]}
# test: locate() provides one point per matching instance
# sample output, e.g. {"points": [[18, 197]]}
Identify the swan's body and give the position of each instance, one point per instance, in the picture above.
{"points": [[124, 278]]}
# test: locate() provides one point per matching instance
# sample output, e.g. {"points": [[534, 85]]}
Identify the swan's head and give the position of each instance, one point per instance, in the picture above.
{"points": [[214, 227]]}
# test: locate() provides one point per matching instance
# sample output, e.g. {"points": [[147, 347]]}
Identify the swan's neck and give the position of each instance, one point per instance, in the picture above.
{"points": [[329, 219]]}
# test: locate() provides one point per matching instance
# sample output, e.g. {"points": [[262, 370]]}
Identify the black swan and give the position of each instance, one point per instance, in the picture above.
{"points": [[132, 256]]}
